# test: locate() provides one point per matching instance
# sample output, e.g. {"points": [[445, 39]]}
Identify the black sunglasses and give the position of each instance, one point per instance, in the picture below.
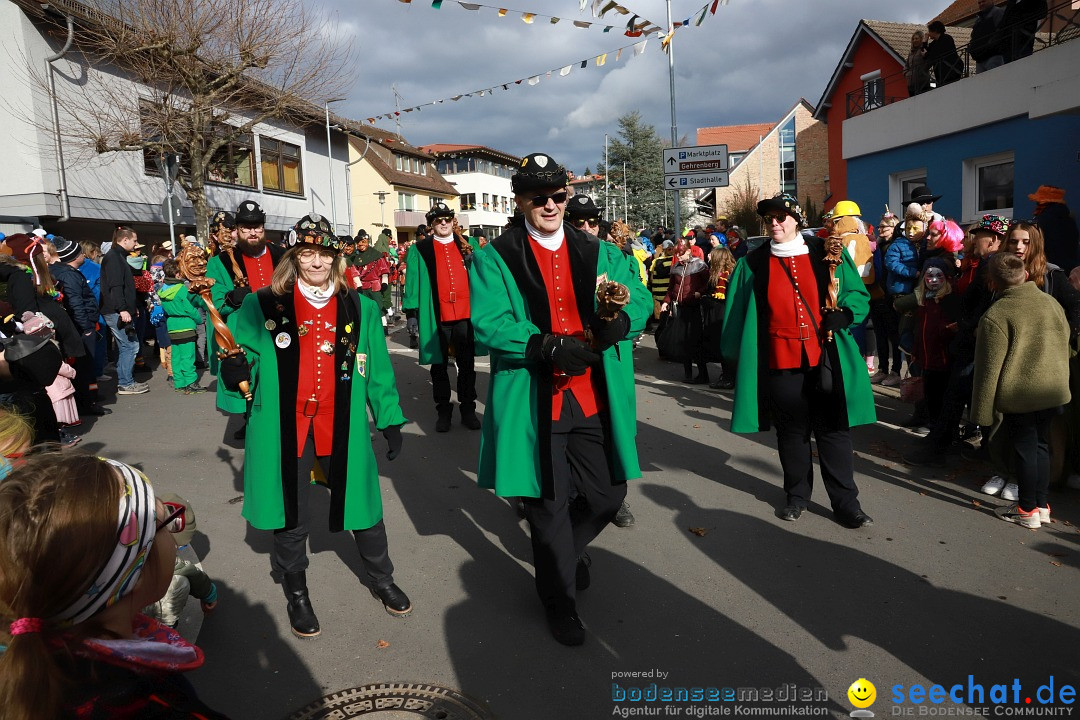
{"points": [[558, 198], [178, 511], [582, 222], [779, 216]]}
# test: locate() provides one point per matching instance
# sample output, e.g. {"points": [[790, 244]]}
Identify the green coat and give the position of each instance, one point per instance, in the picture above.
{"points": [[220, 270], [509, 311], [180, 306], [421, 293], [743, 335], [266, 322]]}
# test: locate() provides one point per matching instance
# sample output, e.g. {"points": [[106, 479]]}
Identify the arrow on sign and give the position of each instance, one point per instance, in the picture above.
{"points": [[671, 161]]}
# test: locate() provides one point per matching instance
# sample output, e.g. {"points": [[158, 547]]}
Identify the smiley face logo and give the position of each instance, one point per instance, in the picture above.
{"points": [[862, 693]]}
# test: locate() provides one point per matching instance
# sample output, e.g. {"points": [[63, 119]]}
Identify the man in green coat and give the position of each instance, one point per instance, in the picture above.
{"points": [[437, 295], [369, 271], [561, 420], [318, 362], [244, 263], [776, 328]]}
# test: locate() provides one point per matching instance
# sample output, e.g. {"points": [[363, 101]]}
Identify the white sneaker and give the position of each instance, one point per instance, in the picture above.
{"points": [[1044, 513], [1010, 492], [994, 485]]}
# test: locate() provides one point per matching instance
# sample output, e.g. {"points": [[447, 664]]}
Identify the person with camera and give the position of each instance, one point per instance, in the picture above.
{"points": [[119, 307]]}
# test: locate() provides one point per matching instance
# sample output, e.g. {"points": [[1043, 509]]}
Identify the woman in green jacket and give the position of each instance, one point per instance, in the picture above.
{"points": [[318, 358], [775, 328]]}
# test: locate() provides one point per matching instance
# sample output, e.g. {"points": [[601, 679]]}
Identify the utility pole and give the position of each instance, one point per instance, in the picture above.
{"points": [[330, 164], [674, 124], [626, 210], [607, 172]]}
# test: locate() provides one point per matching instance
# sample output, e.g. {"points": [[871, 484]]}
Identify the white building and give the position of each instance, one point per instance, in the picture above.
{"points": [[482, 178], [82, 194]]}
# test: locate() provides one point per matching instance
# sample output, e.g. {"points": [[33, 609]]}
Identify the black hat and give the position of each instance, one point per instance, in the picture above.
{"points": [[782, 202], [223, 218], [581, 207], [361, 233], [438, 210], [66, 250], [923, 194], [538, 171], [314, 229], [386, 231], [249, 213]]}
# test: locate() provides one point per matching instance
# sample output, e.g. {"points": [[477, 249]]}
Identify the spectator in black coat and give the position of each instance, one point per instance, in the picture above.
{"points": [[118, 307], [1019, 23], [941, 55], [82, 308], [1058, 227], [986, 45]]}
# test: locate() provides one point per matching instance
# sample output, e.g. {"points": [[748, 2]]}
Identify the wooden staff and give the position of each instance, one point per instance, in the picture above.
{"points": [[834, 257], [192, 261]]}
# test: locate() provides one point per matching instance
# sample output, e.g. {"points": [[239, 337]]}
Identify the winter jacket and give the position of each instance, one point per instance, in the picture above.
{"points": [[1061, 235], [687, 280], [933, 333], [942, 58], [22, 297], [1056, 283], [117, 284], [985, 41], [78, 298], [181, 309], [902, 265], [92, 272]]}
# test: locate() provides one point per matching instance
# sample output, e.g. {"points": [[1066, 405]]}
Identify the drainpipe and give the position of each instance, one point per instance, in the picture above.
{"points": [[348, 180], [65, 206]]}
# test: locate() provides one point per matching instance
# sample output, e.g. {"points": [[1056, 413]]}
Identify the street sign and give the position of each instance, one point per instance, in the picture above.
{"points": [[697, 159], [690, 181], [168, 164], [170, 206]]}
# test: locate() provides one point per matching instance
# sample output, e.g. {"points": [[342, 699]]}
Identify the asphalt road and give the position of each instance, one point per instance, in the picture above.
{"points": [[707, 590]]}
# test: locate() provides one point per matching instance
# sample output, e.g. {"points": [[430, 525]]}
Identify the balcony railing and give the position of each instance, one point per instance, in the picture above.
{"points": [[1061, 24]]}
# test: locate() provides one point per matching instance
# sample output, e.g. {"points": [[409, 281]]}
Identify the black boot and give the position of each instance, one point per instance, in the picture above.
{"points": [[468, 418], [446, 414], [301, 615]]}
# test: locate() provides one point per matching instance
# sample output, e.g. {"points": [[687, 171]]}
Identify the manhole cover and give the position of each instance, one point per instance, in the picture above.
{"points": [[398, 701]]}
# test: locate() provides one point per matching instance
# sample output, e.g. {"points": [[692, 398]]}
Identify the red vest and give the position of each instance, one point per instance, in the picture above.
{"points": [[453, 282], [259, 270], [565, 320], [791, 332], [315, 392]]}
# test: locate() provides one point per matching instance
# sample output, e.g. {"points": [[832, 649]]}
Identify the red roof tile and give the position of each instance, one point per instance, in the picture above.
{"points": [[738, 138]]}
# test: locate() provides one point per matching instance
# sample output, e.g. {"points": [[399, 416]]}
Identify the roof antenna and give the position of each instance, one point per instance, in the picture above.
{"points": [[397, 108]]}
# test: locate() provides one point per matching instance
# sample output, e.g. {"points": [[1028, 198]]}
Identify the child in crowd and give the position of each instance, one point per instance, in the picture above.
{"points": [[188, 578], [883, 315], [72, 579], [181, 318], [16, 437], [721, 265], [1022, 372], [161, 330]]}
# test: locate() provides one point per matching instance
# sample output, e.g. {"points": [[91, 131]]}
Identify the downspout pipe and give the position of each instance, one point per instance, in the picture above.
{"points": [[65, 205], [348, 180]]}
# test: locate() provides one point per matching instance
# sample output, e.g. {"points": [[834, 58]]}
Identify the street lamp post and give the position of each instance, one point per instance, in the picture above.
{"points": [[382, 207], [330, 163], [626, 211]]}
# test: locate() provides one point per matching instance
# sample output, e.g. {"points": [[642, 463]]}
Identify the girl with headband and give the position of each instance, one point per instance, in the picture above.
{"points": [[84, 544]]}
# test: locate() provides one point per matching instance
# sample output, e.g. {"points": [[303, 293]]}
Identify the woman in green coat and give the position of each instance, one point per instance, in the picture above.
{"points": [[788, 374], [318, 359]]}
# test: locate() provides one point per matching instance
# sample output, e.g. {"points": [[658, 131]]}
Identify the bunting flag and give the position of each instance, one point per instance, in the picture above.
{"points": [[528, 17], [502, 12], [470, 6], [437, 4], [564, 71], [640, 47], [581, 6], [601, 59]]}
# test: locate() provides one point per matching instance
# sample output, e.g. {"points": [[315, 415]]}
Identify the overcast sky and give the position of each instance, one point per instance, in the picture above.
{"points": [[748, 63]]}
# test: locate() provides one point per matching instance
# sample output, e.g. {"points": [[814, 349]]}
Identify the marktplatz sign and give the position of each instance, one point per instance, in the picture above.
{"points": [[695, 167]]}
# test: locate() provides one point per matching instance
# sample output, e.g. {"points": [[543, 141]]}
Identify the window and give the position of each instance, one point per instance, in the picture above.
{"points": [[423, 167], [873, 90], [281, 166], [468, 202], [787, 156], [900, 186], [397, 162], [487, 205], [406, 201], [988, 185], [234, 164]]}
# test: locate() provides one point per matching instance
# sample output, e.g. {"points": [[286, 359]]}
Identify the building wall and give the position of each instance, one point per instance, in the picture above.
{"points": [[365, 182], [811, 157], [479, 183], [1046, 153], [114, 187], [868, 56]]}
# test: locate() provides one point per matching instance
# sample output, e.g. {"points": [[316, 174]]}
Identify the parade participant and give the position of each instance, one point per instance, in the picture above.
{"points": [[181, 317], [582, 213], [437, 295], [789, 373], [73, 578], [318, 359], [369, 274], [689, 282], [561, 413], [240, 267]]}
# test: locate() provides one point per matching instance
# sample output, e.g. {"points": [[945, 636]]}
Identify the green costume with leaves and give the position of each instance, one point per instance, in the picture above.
{"points": [[510, 309]]}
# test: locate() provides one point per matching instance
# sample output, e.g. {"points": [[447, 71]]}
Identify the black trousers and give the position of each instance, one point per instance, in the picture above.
{"points": [[887, 330], [1030, 434], [460, 335], [561, 529], [290, 544], [798, 409], [690, 315], [944, 428]]}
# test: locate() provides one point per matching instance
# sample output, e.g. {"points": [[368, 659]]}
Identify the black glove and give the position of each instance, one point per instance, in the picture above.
{"points": [[566, 353], [609, 333], [235, 297], [234, 370], [393, 441], [836, 318]]}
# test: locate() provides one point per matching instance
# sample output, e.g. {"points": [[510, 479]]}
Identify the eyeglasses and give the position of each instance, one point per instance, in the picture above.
{"points": [[176, 513], [582, 222], [778, 216], [542, 200]]}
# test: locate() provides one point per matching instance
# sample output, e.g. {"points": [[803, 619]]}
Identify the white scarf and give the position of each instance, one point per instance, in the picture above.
{"points": [[317, 297], [548, 241], [791, 248], [444, 240]]}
